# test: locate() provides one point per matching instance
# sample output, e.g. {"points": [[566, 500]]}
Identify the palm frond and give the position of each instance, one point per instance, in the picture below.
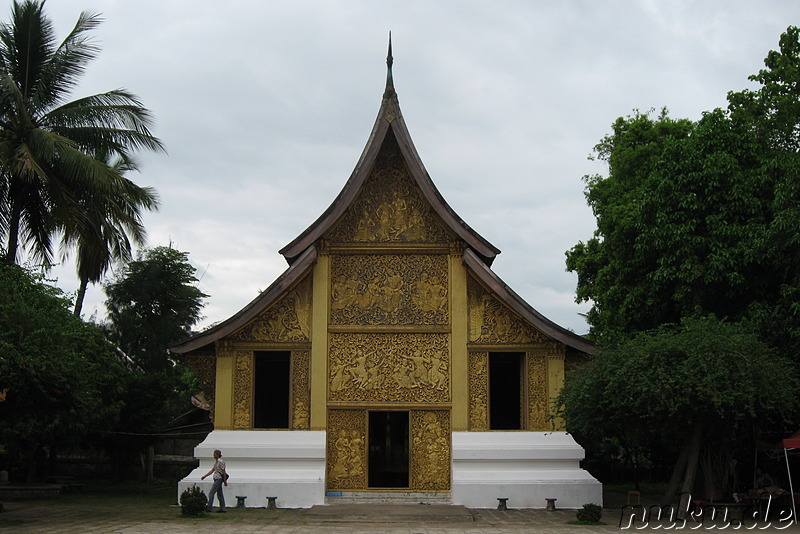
{"points": [[62, 72], [55, 167]]}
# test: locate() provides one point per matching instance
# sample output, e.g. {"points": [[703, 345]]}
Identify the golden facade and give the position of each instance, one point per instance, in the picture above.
{"points": [[388, 315]]}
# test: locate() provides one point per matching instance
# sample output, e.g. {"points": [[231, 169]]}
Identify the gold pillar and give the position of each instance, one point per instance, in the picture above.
{"points": [[223, 396], [458, 343], [319, 343]]}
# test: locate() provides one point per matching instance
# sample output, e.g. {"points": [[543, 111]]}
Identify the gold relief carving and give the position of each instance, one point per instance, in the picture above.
{"points": [[537, 391], [347, 452], [243, 390], [390, 207], [478, 391], [389, 367], [492, 322], [430, 450], [389, 290], [286, 321], [301, 392]]}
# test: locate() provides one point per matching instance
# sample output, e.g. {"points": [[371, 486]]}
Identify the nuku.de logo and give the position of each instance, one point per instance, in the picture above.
{"points": [[707, 517]]}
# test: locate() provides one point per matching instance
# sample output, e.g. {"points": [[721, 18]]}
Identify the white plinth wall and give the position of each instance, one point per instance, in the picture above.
{"points": [[283, 464], [525, 467]]}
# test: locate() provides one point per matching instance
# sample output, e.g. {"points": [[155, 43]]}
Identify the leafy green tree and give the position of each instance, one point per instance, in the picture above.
{"points": [[695, 220], [774, 108], [150, 402], [700, 217], [611, 266], [153, 302], [700, 384], [60, 376], [48, 174]]}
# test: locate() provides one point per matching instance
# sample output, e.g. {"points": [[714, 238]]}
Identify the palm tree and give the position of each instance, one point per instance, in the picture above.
{"points": [[48, 174], [112, 218]]}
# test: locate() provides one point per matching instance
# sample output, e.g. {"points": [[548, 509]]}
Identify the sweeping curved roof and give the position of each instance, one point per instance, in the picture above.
{"points": [[390, 123]]}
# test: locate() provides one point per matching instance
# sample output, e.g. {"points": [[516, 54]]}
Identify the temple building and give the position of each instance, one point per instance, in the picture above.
{"points": [[388, 363]]}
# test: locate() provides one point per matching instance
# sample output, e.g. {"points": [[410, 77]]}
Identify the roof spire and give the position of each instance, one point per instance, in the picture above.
{"points": [[389, 61]]}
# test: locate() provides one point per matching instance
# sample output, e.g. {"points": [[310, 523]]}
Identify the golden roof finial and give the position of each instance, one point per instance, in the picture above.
{"points": [[389, 62]]}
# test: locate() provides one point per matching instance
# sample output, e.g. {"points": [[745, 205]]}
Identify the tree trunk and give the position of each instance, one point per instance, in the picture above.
{"points": [[13, 233], [31, 454], [149, 464], [691, 469], [677, 472], [710, 477], [80, 296], [717, 471]]}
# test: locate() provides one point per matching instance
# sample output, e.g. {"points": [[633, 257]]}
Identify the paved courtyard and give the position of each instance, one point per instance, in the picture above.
{"points": [[74, 515]]}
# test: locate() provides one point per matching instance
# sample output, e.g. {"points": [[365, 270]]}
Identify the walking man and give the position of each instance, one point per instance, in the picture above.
{"points": [[220, 478]]}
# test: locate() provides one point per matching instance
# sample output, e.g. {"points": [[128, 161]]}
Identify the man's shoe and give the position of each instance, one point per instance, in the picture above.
{"points": [[220, 511]]}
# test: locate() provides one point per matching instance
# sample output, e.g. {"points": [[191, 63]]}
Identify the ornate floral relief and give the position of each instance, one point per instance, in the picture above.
{"points": [[537, 391], [243, 390], [390, 207], [492, 322], [389, 290], [479, 391], [347, 451], [389, 367], [430, 450], [288, 320], [301, 392]]}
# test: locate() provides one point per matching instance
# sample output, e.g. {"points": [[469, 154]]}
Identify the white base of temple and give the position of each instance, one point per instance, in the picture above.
{"points": [[525, 467], [284, 464]]}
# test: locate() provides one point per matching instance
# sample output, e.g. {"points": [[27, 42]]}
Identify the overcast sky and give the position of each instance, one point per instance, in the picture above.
{"points": [[265, 106]]}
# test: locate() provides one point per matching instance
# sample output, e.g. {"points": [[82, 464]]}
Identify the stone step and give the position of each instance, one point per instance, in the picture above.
{"points": [[389, 513], [387, 497]]}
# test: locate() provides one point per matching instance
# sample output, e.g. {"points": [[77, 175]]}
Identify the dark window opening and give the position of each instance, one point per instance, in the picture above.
{"points": [[388, 449], [505, 391], [271, 389]]}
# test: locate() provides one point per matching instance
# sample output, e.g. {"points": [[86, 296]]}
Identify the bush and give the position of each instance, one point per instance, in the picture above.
{"points": [[193, 501], [591, 513]]}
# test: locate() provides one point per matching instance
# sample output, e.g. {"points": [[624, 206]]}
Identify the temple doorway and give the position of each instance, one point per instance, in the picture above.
{"points": [[271, 389], [388, 449], [505, 390]]}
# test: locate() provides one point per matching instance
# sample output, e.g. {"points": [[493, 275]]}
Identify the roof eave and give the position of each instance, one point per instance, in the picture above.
{"points": [[474, 240], [525, 310], [286, 280], [346, 196]]}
